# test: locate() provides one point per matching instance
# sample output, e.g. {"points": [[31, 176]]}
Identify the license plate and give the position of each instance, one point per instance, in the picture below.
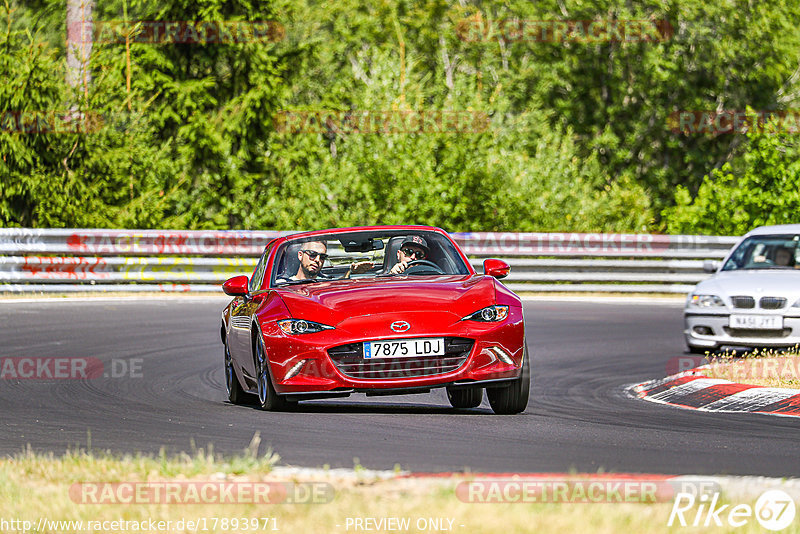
{"points": [[404, 348], [757, 322]]}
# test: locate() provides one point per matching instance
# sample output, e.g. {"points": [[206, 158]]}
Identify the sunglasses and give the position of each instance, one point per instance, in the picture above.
{"points": [[420, 254], [312, 254]]}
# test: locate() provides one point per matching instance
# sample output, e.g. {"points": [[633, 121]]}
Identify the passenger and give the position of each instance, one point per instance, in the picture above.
{"points": [[312, 257]]}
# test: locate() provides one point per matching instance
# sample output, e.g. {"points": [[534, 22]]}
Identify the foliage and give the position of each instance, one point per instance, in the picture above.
{"points": [[760, 187], [577, 140]]}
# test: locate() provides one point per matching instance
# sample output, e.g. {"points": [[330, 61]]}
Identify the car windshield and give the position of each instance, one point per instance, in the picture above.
{"points": [[366, 254], [765, 252]]}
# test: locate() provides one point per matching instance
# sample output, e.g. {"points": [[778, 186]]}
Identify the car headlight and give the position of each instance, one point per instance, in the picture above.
{"points": [[705, 301], [796, 304], [301, 326], [489, 314]]}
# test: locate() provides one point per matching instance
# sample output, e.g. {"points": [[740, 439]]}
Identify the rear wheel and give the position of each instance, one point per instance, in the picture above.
{"points": [[236, 394], [464, 397], [514, 398], [268, 399]]}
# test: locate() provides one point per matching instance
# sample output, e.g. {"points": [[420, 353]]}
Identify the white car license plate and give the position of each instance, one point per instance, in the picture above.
{"points": [[757, 322], [404, 348]]}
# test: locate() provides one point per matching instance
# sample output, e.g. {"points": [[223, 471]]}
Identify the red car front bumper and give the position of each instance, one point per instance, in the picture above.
{"points": [[306, 364]]}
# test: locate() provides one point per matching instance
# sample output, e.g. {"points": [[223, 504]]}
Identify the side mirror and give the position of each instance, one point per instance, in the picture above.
{"points": [[496, 268], [710, 266], [236, 286]]}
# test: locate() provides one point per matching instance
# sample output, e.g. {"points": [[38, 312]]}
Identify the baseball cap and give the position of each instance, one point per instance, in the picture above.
{"points": [[417, 241]]}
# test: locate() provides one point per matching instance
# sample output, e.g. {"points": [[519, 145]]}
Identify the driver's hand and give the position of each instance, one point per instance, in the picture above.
{"points": [[399, 267], [361, 267]]}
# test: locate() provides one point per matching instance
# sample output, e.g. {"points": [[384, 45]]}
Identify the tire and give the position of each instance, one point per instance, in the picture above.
{"points": [[236, 394], [464, 397], [268, 399], [514, 398]]}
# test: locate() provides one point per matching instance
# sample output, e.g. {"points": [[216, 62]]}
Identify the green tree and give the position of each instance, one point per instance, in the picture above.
{"points": [[579, 137], [760, 186]]}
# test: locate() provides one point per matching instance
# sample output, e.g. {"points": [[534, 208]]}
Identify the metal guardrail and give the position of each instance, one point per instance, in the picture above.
{"points": [[78, 260]]}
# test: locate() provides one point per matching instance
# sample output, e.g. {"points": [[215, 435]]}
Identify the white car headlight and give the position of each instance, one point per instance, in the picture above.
{"points": [[796, 304], [705, 301], [489, 314], [300, 326]]}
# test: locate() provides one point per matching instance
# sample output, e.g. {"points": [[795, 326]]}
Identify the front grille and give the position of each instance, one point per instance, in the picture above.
{"points": [[761, 334], [772, 303], [349, 359], [743, 302]]}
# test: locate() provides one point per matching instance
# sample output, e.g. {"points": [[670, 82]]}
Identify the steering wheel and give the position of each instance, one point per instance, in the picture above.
{"points": [[422, 266]]}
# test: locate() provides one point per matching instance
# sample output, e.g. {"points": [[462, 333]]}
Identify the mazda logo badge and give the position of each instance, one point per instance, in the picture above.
{"points": [[400, 326]]}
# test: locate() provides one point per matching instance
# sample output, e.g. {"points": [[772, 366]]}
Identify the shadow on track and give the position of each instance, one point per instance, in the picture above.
{"points": [[312, 407]]}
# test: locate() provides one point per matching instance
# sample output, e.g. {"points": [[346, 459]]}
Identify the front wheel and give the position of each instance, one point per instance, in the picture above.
{"points": [[268, 399], [464, 397], [514, 398]]}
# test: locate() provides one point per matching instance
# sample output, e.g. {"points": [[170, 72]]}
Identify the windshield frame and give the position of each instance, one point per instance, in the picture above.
{"points": [[443, 250]]}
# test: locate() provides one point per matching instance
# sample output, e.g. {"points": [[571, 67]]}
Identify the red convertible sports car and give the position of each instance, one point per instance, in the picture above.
{"points": [[383, 310]]}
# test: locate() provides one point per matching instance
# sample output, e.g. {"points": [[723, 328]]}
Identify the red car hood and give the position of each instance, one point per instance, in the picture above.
{"points": [[333, 302]]}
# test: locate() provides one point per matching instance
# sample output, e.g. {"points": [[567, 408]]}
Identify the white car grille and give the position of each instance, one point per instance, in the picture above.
{"points": [[772, 303], [744, 302]]}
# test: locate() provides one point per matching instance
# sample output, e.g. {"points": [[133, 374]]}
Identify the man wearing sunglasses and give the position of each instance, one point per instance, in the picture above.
{"points": [[312, 256], [414, 247]]}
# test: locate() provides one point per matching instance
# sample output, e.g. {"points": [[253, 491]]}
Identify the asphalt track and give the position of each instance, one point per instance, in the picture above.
{"points": [[578, 417]]}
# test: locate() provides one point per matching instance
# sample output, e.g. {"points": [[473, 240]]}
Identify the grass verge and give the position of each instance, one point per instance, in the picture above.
{"points": [[35, 486]]}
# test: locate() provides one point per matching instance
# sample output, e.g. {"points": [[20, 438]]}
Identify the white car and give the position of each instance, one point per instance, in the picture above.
{"points": [[753, 299]]}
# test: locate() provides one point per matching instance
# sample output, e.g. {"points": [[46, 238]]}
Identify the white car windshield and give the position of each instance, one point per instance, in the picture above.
{"points": [[765, 252], [366, 254]]}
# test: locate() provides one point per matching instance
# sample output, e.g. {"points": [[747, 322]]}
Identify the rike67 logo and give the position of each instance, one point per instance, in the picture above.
{"points": [[774, 510]]}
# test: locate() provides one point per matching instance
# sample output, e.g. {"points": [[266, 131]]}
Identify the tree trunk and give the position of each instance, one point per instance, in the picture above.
{"points": [[79, 43]]}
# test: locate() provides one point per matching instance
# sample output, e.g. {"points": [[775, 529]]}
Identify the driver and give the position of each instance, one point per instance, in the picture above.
{"points": [[783, 257], [414, 247]]}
